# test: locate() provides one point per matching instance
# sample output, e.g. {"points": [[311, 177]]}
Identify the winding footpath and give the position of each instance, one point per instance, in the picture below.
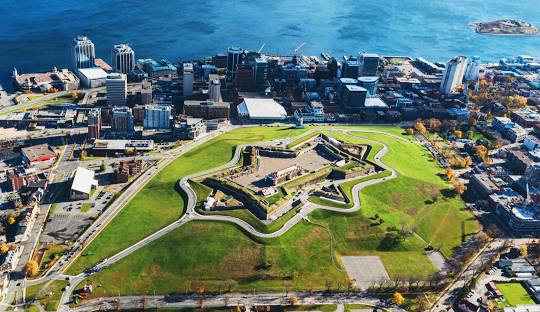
{"points": [[192, 215]]}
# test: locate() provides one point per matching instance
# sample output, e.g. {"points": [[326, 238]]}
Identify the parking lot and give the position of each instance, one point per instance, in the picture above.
{"points": [[365, 270], [70, 218]]}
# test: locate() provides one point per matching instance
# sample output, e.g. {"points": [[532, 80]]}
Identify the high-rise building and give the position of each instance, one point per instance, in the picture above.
{"points": [[369, 63], [370, 83], [214, 91], [157, 117], [83, 53], [94, 124], [122, 120], [354, 98], [244, 77], [453, 74], [116, 89], [123, 58], [187, 79], [146, 92], [260, 71], [234, 55], [473, 69], [350, 68]]}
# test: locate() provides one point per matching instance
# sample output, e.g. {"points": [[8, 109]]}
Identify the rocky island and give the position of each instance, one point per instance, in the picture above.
{"points": [[505, 27]]}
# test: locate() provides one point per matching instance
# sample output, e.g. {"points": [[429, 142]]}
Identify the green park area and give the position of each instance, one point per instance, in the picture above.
{"points": [[514, 294], [221, 256], [47, 294]]}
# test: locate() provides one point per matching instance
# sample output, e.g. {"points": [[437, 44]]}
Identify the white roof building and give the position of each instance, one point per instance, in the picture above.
{"points": [[261, 109], [83, 181], [92, 77]]}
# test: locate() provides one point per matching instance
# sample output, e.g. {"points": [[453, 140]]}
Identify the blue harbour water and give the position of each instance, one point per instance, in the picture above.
{"points": [[35, 35]]}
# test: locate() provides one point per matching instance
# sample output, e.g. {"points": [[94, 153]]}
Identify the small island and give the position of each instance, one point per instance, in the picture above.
{"points": [[505, 27]]}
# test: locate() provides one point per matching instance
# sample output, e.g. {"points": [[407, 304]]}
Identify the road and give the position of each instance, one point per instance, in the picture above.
{"points": [[232, 300]]}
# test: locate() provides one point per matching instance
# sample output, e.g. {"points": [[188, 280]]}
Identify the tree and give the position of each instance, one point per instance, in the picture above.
{"points": [[449, 174], [419, 126], [434, 124], [460, 188], [293, 300], [102, 167], [468, 161], [523, 250], [31, 268], [410, 131], [4, 248], [398, 298]]}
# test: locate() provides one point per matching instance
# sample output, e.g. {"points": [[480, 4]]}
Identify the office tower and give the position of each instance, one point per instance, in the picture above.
{"points": [[370, 83], [146, 92], [122, 120], [214, 91], [369, 63], [123, 58], [473, 69], [354, 98], [350, 68], [234, 55], [332, 67], [116, 89], [187, 79], [453, 74], [83, 53], [219, 60], [157, 117], [244, 77], [94, 124], [260, 72]]}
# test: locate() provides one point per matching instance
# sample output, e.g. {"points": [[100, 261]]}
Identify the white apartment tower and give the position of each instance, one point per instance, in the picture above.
{"points": [[83, 53], [123, 58], [157, 117], [453, 74]]}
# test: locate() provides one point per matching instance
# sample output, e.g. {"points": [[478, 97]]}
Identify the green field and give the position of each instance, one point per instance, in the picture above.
{"points": [[221, 256], [48, 294], [514, 294]]}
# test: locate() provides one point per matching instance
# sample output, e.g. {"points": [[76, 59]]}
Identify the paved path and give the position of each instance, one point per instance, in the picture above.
{"points": [[233, 300]]}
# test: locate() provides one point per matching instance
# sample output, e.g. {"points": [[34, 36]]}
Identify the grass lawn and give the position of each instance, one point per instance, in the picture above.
{"points": [[49, 297], [514, 294], [51, 256], [221, 256]]}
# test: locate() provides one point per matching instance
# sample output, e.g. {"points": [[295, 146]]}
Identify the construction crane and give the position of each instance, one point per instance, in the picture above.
{"points": [[299, 47], [261, 48]]}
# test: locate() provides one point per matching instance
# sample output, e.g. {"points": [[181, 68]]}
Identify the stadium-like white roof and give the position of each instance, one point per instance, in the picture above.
{"points": [[262, 109]]}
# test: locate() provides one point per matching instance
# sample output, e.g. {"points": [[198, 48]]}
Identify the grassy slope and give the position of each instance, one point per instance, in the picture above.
{"points": [[158, 204], [408, 198]]}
